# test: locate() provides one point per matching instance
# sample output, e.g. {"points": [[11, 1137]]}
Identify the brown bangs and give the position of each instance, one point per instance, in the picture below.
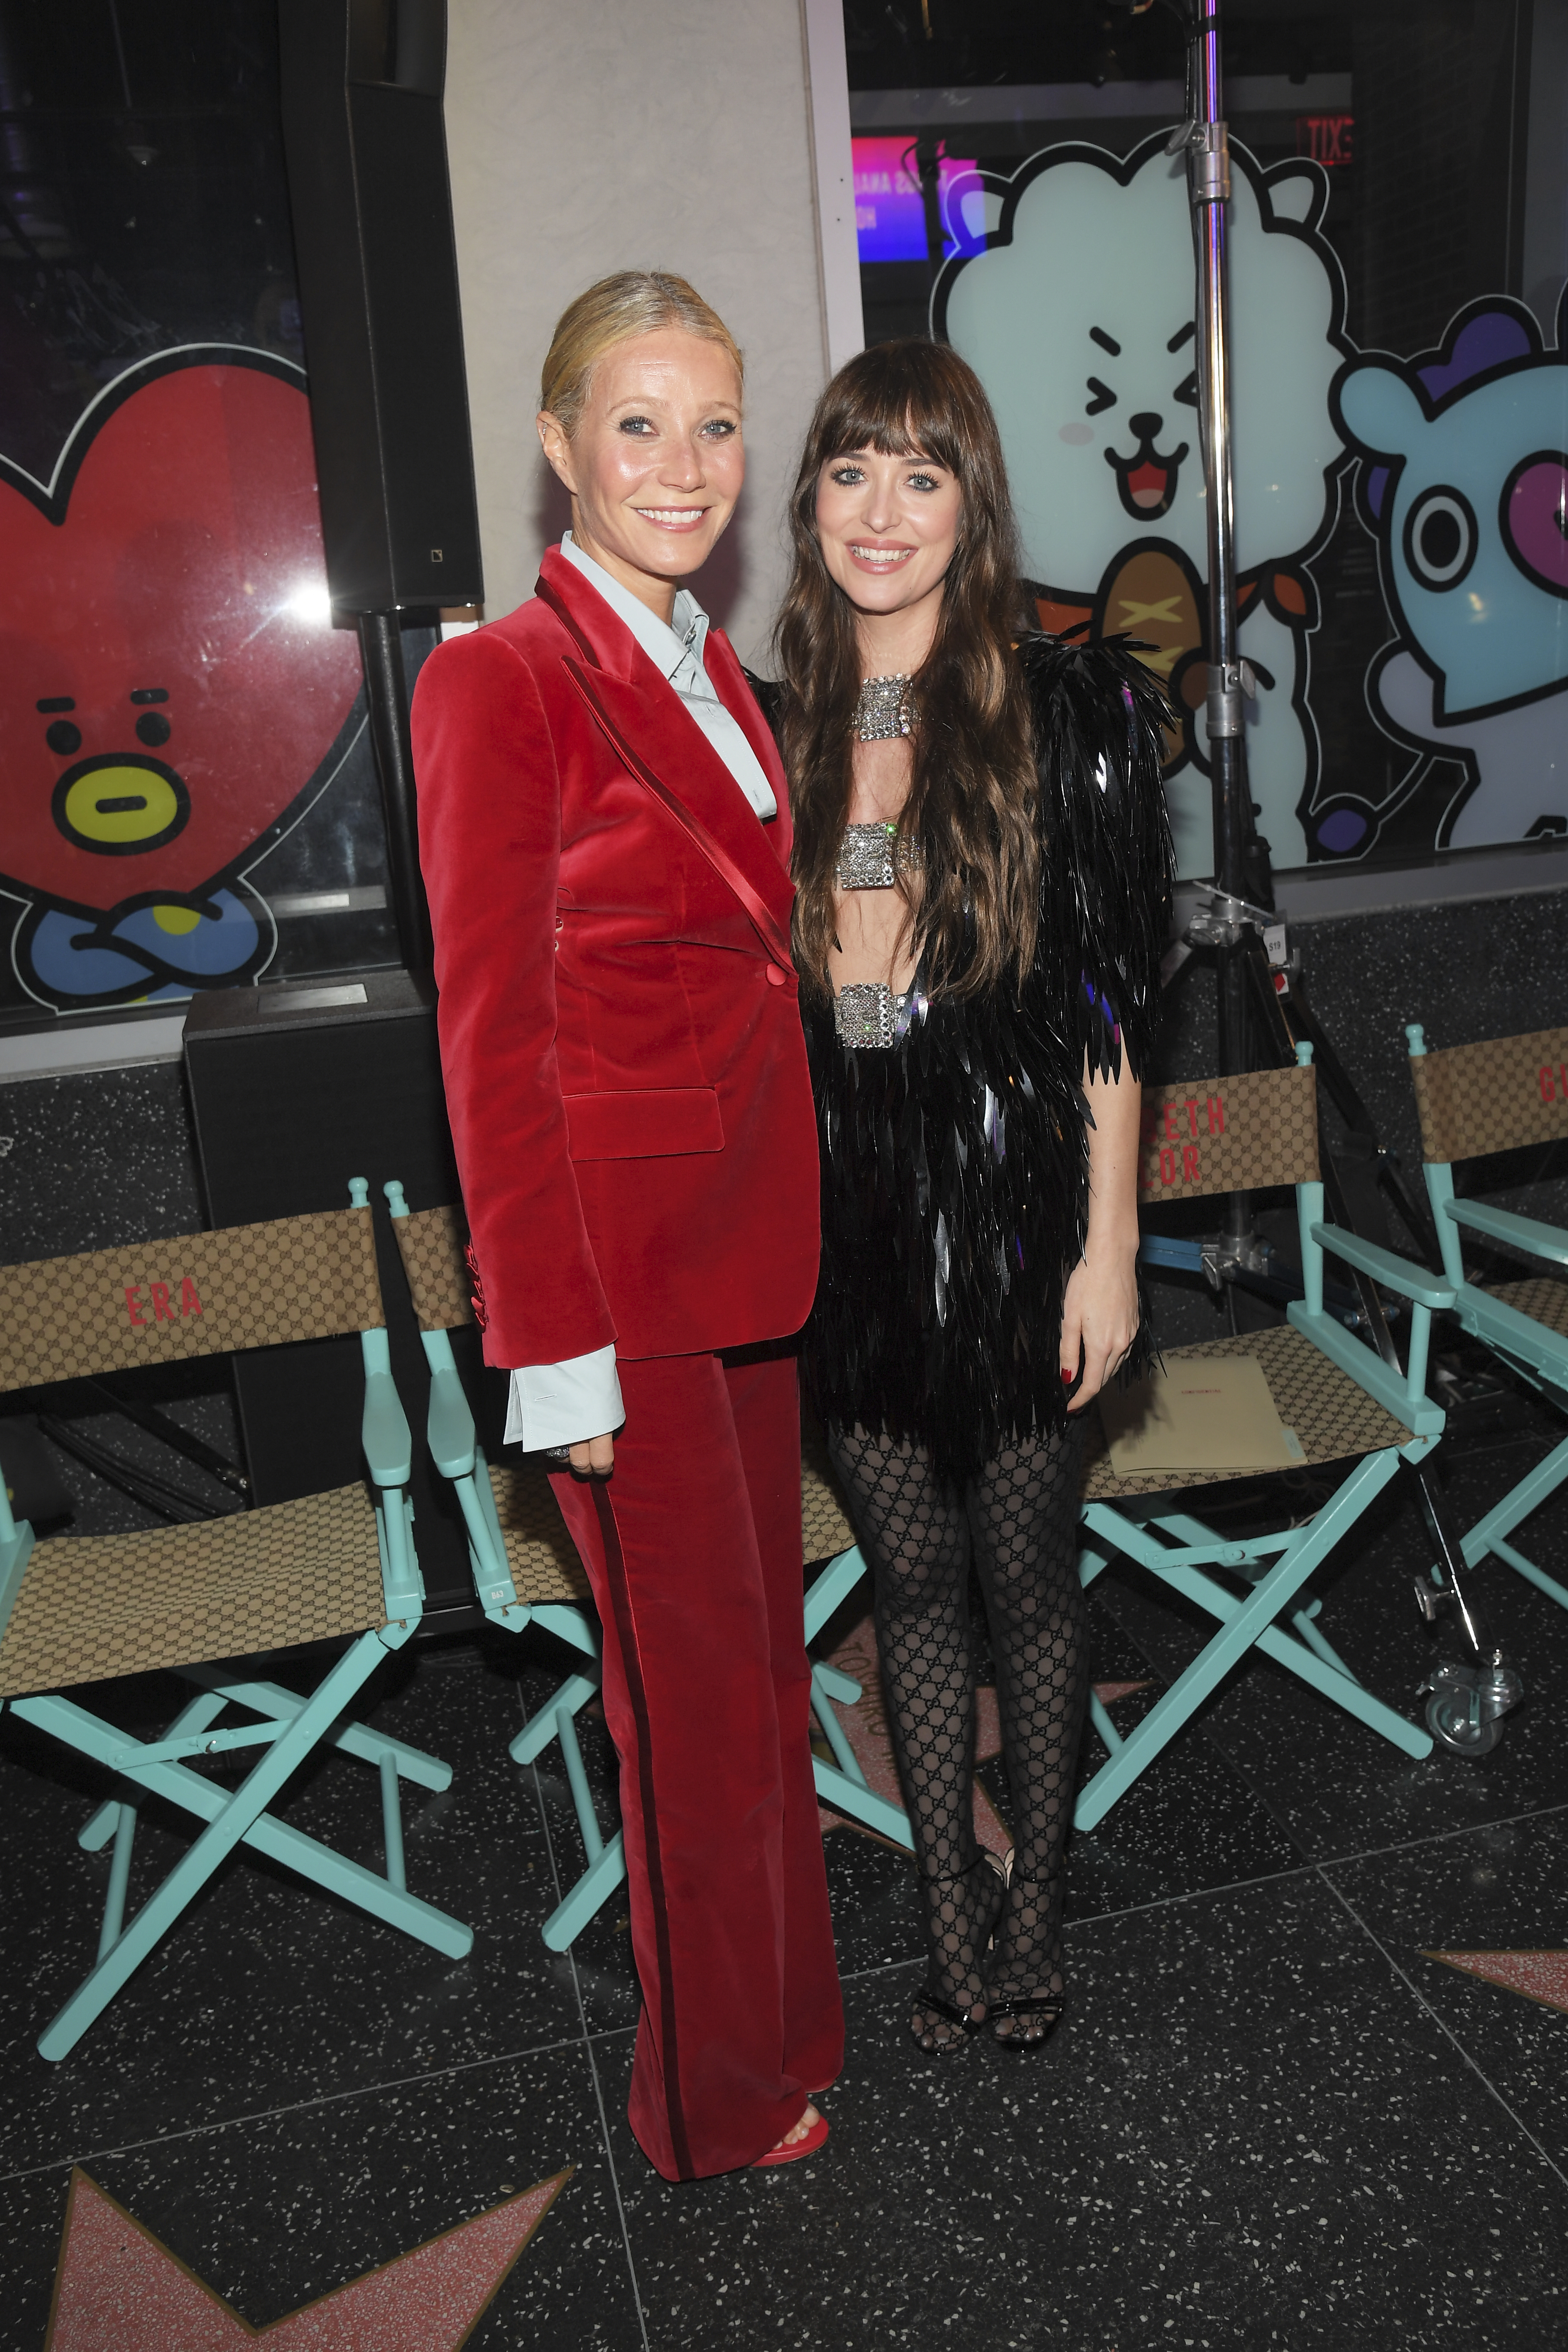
{"points": [[896, 398]]}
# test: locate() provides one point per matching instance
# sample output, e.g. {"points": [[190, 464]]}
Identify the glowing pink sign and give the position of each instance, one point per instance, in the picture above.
{"points": [[889, 210]]}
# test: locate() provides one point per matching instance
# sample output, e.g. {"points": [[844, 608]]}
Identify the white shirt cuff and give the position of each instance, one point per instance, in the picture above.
{"points": [[564, 1404]]}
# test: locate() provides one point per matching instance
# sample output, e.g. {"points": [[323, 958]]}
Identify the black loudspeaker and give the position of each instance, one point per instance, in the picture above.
{"points": [[294, 1088], [366, 151]]}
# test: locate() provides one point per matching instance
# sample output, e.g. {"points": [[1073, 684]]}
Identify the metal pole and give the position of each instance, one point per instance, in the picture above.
{"points": [[927, 153], [1208, 180], [386, 692], [1206, 141], [1491, 1687]]}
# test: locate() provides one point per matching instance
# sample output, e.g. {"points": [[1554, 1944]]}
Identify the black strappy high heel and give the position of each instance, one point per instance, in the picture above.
{"points": [[1030, 2012], [1034, 2017], [931, 2037]]}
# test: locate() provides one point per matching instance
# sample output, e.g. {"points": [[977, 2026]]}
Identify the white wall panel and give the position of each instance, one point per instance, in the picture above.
{"points": [[592, 135]]}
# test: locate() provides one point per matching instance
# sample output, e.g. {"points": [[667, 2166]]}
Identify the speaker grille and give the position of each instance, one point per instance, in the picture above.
{"points": [[366, 150]]}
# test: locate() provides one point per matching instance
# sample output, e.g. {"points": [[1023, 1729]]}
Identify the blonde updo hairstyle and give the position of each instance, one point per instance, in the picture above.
{"points": [[632, 302]]}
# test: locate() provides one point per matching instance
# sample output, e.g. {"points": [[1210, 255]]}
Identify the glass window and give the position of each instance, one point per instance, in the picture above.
{"points": [[1399, 247], [188, 797]]}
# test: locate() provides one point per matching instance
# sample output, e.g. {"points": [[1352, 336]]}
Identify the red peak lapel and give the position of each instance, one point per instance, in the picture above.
{"points": [[602, 637], [657, 739], [661, 744]]}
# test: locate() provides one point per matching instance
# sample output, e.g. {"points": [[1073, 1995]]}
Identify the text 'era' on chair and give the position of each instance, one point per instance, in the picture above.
{"points": [[1502, 1094], [1253, 1133], [526, 1567], [210, 1602]]}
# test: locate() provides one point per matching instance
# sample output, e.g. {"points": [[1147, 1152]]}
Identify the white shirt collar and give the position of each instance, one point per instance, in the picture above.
{"points": [[669, 648], [676, 653]]}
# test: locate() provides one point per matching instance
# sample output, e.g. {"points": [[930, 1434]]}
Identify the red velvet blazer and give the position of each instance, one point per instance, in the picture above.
{"points": [[625, 1070]]}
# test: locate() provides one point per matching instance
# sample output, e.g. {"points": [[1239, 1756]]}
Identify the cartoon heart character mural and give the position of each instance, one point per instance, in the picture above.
{"points": [[1072, 298], [1464, 481], [173, 691]]}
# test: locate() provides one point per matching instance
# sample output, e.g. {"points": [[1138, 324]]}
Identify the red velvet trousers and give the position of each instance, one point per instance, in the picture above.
{"points": [[694, 1550]]}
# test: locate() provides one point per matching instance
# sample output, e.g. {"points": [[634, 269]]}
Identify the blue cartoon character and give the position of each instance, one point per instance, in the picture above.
{"points": [[1464, 481], [1072, 295]]}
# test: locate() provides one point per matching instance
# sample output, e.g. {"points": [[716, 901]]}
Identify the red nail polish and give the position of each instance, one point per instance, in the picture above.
{"points": [[1067, 1380]]}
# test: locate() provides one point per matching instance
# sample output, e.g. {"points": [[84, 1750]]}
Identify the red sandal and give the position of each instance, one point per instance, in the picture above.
{"points": [[814, 2140]]}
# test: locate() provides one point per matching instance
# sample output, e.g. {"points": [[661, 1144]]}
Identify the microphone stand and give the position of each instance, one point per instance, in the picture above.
{"points": [[1257, 1012]]}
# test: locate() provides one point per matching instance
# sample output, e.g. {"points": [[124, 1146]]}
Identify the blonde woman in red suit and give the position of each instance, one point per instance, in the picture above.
{"points": [[605, 835]]}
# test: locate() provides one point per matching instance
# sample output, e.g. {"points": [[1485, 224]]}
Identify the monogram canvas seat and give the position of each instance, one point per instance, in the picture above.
{"points": [[332, 1568], [1497, 1096], [526, 1567], [1255, 1132]]}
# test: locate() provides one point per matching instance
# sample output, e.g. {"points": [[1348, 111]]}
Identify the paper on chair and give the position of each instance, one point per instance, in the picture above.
{"points": [[1207, 1414]]}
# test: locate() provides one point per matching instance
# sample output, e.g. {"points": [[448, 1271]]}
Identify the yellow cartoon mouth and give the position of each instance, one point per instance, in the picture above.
{"points": [[120, 805]]}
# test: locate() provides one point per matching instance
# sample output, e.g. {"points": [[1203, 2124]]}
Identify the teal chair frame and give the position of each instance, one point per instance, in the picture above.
{"points": [[441, 1303], [286, 1725], [1182, 1551], [455, 1449], [1502, 1318], [842, 1784]]}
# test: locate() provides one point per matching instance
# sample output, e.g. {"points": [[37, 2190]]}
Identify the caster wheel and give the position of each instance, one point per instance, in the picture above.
{"points": [[1448, 1721]]}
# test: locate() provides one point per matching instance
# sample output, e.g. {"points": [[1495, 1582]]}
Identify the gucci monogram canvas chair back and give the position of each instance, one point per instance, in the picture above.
{"points": [[433, 1245], [1497, 1096], [1246, 1133], [339, 1566], [112, 1310], [1341, 1408], [1492, 1096]]}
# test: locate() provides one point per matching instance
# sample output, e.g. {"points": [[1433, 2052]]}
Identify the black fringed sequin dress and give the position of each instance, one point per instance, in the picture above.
{"points": [[954, 1160]]}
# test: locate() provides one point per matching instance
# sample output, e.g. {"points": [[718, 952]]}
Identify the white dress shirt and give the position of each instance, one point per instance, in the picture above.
{"points": [[675, 649], [561, 1404]]}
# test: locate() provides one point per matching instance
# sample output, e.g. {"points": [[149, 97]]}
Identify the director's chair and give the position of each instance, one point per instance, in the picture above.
{"points": [[826, 1530], [1498, 1095], [526, 1570], [524, 1564], [335, 1568], [1342, 1403]]}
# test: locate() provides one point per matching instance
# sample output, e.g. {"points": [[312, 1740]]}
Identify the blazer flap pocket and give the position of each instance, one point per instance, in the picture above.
{"points": [[644, 1123]]}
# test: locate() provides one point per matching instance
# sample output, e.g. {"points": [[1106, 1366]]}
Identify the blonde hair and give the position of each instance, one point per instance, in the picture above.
{"points": [[632, 302]]}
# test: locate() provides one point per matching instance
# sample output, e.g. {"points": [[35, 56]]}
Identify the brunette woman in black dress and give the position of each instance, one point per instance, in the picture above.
{"points": [[983, 871]]}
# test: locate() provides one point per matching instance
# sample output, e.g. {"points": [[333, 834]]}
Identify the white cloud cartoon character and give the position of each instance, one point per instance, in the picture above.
{"points": [[1077, 315], [1464, 481]]}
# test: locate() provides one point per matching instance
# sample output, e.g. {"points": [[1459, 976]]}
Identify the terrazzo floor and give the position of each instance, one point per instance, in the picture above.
{"points": [[1310, 2090]]}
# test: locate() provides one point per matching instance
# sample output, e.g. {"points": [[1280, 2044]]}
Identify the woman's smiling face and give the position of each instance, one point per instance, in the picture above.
{"points": [[888, 527], [656, 462]]}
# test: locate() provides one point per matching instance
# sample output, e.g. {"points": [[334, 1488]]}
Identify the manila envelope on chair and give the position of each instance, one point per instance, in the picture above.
{"points": [[1207, 1414]]}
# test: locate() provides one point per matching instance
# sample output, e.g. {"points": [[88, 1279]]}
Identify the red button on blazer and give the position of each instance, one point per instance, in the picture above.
{"points": [[633, 1122]]}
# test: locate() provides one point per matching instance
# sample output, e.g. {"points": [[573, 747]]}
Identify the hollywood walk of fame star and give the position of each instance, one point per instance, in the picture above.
{"points": [[119, 2286], [1539, 1976]]}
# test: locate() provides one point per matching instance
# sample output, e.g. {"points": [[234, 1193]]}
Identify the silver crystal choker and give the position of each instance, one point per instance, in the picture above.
{"points": [[870, 856], [884, 708]]}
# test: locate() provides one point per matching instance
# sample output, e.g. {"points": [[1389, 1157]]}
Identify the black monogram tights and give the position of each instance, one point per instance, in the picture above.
{"points": [[1016, 1523]]}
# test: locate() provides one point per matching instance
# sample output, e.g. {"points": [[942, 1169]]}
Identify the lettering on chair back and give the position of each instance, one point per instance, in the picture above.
{"points": [[432, 1244], [193, 1295], [1492, 1096], [1227, 1135]]}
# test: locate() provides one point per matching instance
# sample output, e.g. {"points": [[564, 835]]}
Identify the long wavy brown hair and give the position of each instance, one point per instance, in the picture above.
{"points": [[974, 900]]}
